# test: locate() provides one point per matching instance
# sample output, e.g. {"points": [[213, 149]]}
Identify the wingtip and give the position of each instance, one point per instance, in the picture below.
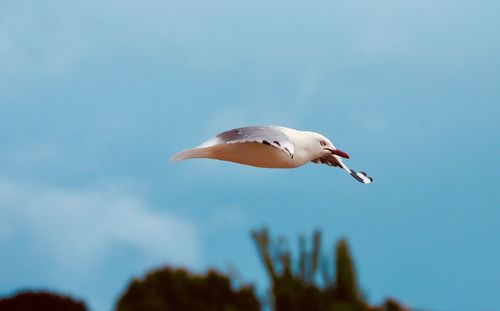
{"points": [[362, 177]]}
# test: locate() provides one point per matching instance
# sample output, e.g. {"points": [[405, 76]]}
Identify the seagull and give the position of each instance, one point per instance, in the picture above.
{"points": [[271, 147]]}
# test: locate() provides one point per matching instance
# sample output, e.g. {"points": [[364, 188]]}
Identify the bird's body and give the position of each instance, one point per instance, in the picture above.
{"points": [[260, 146], [251, 153], [271, 147]]}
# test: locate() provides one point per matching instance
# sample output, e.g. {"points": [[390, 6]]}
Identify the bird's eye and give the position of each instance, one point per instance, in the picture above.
{"points": [[322, 143]]}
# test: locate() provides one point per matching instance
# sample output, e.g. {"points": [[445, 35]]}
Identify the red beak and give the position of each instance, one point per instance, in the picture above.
{"points": [[340, 153]]}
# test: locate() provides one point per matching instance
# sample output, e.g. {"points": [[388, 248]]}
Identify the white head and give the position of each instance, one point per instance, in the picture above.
{"points": [[320, 146]]}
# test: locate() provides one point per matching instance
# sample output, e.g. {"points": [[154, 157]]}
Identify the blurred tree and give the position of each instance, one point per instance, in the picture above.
{"points": [[291, 290], [294, 285], [345, 275], [393, 305], [40, 300], [294, 288], [176, 289]]}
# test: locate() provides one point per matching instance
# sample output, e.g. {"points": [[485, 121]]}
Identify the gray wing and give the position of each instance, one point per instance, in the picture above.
{"points": [[333, 160], [268, 135]]}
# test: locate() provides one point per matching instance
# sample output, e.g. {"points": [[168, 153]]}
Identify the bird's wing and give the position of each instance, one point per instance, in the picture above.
{"points": [[330, 160], [268, 135], [333, 160]]}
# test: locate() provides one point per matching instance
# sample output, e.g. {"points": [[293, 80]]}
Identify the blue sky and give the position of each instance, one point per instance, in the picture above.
{"points": [[95, 96]]}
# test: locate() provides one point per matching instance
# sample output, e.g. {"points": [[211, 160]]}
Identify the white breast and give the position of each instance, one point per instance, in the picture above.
{"points": [[254, 154]]}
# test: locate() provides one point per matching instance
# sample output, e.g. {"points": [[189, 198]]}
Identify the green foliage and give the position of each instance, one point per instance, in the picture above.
{"points": [[177, 289], [291, 290], [294, 288], [40, 300], [345, 287], [295, 285]]}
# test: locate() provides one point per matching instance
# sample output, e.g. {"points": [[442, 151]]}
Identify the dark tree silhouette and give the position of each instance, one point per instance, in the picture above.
{"points": [[291, 290], [345, 275], [345, 294], [294, 287], [176, 289], [40, 300]]}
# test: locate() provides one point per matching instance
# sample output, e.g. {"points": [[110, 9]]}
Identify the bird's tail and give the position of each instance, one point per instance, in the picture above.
{"points": [[190, 154]]}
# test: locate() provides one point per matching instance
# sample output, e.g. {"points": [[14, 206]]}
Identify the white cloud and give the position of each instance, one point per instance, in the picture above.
{"points": [[77, 234], [79, 227]]}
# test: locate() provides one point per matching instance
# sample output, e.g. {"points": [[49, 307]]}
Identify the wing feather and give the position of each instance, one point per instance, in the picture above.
{"points": [[333, 160], [268, 135]]}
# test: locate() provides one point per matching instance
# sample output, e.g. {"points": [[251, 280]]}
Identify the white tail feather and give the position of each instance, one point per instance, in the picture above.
{"points": [[190, 154]]}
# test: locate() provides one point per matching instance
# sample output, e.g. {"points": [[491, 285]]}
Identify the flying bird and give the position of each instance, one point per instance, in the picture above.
{"points": [[271, 147]]}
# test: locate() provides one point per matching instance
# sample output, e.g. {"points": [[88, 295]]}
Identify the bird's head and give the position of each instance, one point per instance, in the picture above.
{"points": [[322, 146]]}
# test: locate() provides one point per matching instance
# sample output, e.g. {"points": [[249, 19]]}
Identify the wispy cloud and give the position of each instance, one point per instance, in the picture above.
{"points": [[74, 234]]}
